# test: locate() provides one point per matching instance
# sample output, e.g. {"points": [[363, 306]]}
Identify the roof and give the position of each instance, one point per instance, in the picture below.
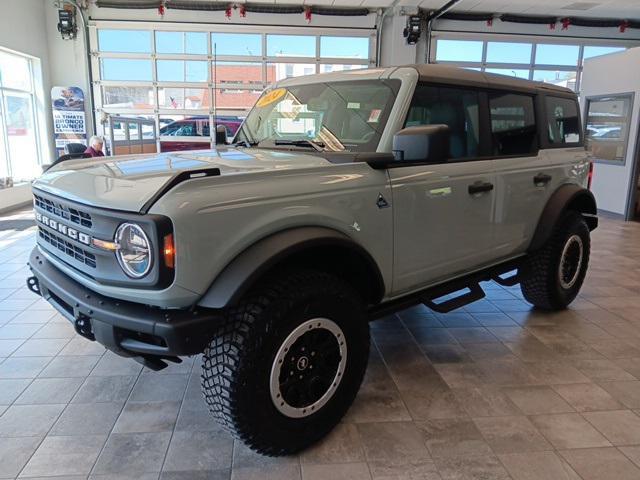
{"points": [[437, 73], [462, 76], [339, 76]]}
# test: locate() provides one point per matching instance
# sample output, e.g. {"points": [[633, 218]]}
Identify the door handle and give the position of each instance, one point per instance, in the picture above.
{"points": [[480, 187], [541, 179]]}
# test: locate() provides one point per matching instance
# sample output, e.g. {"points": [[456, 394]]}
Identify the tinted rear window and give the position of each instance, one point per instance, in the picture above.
{"points": [[563, 125], [513, 124]]}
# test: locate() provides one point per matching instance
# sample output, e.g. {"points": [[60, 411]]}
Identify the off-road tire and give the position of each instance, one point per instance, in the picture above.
{"points": [[540, 284], [237, 363]]}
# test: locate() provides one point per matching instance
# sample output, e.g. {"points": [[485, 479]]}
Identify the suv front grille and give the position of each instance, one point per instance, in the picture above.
{"points": [[68, 213], [71, 250]]}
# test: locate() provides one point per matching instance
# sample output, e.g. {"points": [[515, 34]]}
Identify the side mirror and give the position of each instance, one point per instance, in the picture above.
{"points": [[221, 135], [422, 144]]}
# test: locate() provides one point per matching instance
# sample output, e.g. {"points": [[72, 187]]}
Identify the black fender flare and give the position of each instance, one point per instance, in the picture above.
{"points": [[566, 197], [248, 266]]}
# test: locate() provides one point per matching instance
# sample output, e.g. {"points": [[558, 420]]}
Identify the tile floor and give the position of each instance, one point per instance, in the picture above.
{"points": [[494, 391]]}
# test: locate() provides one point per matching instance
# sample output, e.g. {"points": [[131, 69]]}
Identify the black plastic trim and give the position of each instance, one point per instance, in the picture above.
{"points": [[105, 224], [248, 267], [555, 208], [175, 180], [121, 326], [427, 295]]}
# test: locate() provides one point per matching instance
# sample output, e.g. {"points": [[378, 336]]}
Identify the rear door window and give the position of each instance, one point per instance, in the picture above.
{"points": [[457, 108], [513, 124], [563, 124]]}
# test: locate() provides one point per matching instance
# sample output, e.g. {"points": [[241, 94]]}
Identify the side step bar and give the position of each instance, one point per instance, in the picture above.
{"points": [[470, 282], [508, 281], [474, 294]]}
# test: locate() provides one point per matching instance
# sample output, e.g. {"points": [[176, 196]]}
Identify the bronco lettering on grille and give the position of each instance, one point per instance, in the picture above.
{"points": [[72, 233]]}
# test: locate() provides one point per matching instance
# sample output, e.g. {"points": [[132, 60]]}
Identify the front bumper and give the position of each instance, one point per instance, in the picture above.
{"points": [[126, 328]]}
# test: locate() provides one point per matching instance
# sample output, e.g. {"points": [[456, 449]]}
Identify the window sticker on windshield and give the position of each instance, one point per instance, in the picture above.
{"points": [[374, 116], [270, 97], [353, 105]]}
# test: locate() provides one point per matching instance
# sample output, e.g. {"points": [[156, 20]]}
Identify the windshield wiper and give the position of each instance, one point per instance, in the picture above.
{"points": [[318, 146]]}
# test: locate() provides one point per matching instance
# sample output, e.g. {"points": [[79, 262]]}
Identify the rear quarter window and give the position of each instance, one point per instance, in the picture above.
{"points": [[563, 121], [513, 124]]}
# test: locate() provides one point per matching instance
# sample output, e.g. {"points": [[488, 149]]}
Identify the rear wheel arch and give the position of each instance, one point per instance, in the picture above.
{"points": [[312, 248], [568, 197]]}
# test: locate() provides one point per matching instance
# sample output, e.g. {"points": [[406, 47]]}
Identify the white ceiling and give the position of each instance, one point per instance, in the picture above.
{"points": [[582, 8]]}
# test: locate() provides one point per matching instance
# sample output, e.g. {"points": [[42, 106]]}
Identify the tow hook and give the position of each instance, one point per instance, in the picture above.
{"points": [[82, 325], [34, 285]]}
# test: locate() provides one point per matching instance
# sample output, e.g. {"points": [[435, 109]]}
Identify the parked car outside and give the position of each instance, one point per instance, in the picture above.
{"points": [[193, 133]]}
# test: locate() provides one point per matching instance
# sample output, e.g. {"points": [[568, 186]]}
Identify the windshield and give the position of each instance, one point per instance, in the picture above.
{"points": [[332, 116]]}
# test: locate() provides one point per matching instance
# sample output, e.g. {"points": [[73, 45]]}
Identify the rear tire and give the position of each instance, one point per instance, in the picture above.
{"points": [[287, 362], [553, 275]]}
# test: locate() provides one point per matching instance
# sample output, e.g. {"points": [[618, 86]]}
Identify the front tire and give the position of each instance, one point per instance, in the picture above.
{"points": [[287, 362], [553, 275]]}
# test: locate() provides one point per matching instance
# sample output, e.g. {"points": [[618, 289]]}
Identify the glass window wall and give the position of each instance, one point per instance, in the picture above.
{"points": [[183, 76], [530, 58], [19, 135]]}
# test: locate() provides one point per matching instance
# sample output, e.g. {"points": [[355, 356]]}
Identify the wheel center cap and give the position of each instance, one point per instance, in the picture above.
{"points": [[303, 363]]}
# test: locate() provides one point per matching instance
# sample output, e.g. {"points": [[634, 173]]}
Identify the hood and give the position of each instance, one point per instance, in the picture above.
{"points": [[129, 182]]}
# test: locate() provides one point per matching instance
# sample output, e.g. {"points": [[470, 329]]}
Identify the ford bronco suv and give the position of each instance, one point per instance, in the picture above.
{"points": [[344, 197]]}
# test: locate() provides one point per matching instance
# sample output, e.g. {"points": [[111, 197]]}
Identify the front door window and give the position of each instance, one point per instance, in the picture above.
{"points": [[457, 108]]}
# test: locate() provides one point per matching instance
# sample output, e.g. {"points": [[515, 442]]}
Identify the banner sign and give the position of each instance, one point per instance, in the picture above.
{"points": [[69, 125]]}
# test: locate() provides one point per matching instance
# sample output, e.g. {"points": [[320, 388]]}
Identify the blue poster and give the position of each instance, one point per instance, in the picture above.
{"points": [[69, 124]]}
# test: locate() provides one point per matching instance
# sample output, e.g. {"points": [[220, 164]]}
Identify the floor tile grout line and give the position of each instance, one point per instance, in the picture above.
{"points": [[32, 379], [56, 419], [627, 456], [173, 430], [374, 343], [124, 404]]}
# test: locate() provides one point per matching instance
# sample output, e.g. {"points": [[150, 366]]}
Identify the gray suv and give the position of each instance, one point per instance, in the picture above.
{"points": [[344, 197]]}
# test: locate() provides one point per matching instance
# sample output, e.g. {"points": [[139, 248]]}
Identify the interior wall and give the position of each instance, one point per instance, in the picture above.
{"points": [[610, 74], [67, 58], [394, 49]]}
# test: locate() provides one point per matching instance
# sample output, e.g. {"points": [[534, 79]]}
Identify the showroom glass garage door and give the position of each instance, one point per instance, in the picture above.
{"points": [[179, 77], [550, 59]]}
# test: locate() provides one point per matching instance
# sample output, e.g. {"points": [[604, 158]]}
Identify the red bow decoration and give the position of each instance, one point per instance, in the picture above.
{"points": [[161, 9], [307, 14], [227, 12], [490, 22], [624, 25], [243, 11], [565, 23]]}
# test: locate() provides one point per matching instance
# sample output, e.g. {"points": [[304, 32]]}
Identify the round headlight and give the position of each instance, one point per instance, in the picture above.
{"points": [[134, 250]]}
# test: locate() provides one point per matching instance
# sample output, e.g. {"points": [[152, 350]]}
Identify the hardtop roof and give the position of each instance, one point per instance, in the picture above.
{"points": [[436, 73], [439, 73]]}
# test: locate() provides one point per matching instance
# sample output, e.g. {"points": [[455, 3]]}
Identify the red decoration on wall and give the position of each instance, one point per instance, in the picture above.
{"points": [[490, 22], [243, 11], [624, 25], [307, 14], [227, 12], [565, 23], [161, 9]]}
